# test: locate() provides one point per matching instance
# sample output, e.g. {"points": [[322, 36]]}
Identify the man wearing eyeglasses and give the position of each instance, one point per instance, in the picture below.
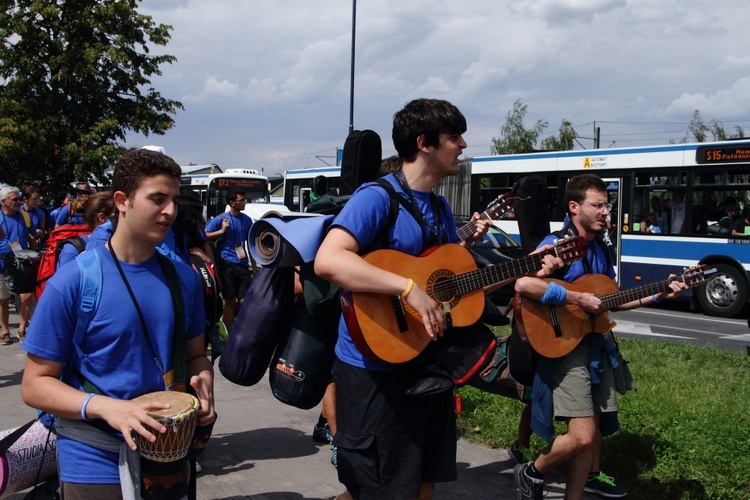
{"points": [[14, 235], [230, 231], [579, 387]]}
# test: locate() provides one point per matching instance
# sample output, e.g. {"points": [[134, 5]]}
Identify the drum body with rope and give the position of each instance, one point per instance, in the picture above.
{"points": [[180, 420]]}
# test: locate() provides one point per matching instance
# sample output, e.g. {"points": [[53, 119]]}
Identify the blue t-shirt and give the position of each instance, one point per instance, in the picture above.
{"points": [[14, 230], [121, 362], [64, 218], [596, 260], [170, 248], [37, 215], [69, 252], [363, 216], [100, 235], [233, 237]]}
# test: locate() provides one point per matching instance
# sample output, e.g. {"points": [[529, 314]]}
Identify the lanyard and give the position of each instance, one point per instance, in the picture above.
{"points": [[137, 308]]}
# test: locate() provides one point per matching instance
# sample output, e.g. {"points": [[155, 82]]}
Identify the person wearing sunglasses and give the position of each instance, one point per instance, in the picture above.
{"points": [[15, 236]]}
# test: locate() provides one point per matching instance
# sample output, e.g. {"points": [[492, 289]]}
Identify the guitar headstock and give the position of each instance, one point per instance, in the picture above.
{"points": [[501, 205], [696, 275], [570, 248]]}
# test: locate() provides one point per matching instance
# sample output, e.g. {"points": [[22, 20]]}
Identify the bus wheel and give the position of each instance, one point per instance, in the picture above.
{"points": [[725, 293]]}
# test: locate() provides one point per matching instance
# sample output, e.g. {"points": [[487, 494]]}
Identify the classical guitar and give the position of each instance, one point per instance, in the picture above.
{"points": [[496, 209], [555, 330], [385, 327]]}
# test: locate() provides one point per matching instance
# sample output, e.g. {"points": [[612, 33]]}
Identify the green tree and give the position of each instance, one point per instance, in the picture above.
{"points": [[514, 137], [75, 76], [697, 130], [564, 141]]}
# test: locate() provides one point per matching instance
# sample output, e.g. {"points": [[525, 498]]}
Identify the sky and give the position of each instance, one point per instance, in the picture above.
{"points": [[266, 85]]}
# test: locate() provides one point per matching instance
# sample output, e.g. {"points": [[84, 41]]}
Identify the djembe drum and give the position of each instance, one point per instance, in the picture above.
{"points": [[180, 420], [163, 471]]}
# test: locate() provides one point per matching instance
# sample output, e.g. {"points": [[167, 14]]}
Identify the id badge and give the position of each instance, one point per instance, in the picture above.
{"points": [[168, 379], [240, 252]]}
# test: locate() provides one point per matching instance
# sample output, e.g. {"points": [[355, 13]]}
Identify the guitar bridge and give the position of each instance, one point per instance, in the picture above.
{"points": [[399, 311], [448, 317], [555, 321]]}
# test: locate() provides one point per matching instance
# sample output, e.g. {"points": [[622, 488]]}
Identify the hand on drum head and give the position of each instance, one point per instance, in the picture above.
{"points": [[204, 393], [127, 416]]}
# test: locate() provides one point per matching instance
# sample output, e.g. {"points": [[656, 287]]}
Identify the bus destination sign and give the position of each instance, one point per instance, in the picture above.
{"points": [[722, 154], [251, 184]]}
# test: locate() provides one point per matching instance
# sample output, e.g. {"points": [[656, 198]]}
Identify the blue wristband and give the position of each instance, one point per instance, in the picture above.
{"points": [[555, 294], [655, 299], [84, 405]]}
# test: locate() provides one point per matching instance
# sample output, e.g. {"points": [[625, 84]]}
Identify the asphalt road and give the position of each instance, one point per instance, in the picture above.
{"points": [[674, 322]]}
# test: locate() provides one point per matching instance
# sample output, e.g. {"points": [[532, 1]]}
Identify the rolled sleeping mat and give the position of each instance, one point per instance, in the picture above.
{"points": [[288, 241], [19, 465]]}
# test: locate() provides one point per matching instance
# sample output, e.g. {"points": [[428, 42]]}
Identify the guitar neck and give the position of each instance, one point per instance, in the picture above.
{"points": [[470, 227], [490, 275], [613, 300]]}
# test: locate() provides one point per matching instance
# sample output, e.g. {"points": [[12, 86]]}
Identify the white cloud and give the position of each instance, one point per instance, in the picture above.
{"points": [[264, 80], [734, 101]]}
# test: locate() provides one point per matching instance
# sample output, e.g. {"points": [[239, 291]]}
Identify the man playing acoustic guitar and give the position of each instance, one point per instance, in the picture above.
{"points": [[570, 385], [390, 444]]}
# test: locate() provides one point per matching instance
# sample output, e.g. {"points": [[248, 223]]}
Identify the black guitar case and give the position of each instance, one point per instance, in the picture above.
{"points": [[363, 153], [533, 225]]}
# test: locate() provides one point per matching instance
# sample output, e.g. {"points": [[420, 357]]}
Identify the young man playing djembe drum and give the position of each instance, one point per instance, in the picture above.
{"points": [[128, 347]]}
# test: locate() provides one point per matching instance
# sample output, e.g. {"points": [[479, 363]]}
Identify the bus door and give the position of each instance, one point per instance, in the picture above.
{"points": [[612, 232], [304, 198]]}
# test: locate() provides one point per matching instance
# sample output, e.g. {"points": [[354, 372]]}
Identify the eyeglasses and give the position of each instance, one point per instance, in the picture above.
{"points": [[14, 200], [598, 206]]}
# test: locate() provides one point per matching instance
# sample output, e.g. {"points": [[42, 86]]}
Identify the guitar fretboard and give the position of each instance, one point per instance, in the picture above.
{"points": [[490, 275], [624, 296]]}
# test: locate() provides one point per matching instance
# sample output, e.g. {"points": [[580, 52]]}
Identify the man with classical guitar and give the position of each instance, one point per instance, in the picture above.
{"points": [[393, 445], [571, 387]]}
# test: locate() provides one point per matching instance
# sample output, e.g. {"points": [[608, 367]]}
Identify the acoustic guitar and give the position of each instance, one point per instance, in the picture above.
{"points": [[385, 327], [555, 330], [496, 209]]}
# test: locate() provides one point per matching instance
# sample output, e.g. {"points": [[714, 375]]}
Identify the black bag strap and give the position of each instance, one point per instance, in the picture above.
{"points": [[396, 200]]}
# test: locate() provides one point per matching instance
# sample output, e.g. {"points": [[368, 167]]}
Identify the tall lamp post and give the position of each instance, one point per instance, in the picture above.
{"points": [[351, 83]]}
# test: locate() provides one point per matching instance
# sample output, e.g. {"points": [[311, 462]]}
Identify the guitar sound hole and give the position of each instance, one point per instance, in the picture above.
{"points": [[442, 288]]}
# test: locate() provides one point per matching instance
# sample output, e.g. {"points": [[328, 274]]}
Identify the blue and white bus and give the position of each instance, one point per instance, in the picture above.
{"points": [[298, 185], [645, 185]]}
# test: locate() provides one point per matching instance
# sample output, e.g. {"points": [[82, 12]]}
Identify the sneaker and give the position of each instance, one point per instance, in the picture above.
{"points": [[322, 434], [604, 486], [521, 454], [335, 457], [528, 487], [5, 339]]}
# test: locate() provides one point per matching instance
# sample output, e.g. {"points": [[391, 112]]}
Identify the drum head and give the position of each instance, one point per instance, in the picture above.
{"points": [[180, 403]]}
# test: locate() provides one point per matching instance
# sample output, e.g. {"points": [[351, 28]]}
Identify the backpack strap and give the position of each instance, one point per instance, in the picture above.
{"points": [[396, 200], [26, 218], [178, 306], [90, 291]]}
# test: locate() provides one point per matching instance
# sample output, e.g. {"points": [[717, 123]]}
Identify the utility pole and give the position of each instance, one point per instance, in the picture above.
{"points": [[597, 133], [351, 83]]}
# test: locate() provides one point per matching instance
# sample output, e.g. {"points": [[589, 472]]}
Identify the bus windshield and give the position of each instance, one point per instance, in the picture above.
{"points": [[254, 186]]}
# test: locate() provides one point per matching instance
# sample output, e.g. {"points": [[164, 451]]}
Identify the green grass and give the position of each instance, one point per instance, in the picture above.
{"points": [[684, 429]]}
